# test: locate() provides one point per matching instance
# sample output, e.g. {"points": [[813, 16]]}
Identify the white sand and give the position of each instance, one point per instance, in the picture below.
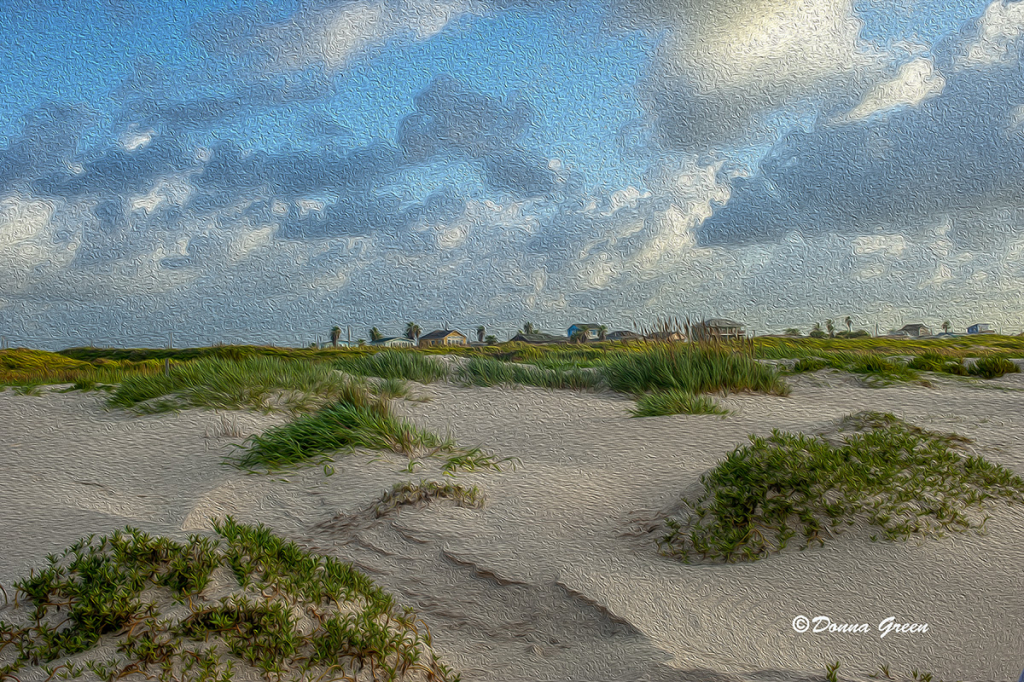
{"points": [[555, 579]]}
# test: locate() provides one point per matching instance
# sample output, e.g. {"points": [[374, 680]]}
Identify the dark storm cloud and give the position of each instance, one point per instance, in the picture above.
{"points": [[961, 151]]}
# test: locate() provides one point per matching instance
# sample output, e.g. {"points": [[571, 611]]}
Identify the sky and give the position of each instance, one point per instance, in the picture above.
{"points": [[259, 172]]}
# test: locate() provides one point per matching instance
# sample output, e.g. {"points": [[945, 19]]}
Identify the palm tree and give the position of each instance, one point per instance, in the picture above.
{"points": [[849, 324], [831, 327], [602, 333], [412, 331], [375, 334], [335, 335], [945, 326], [528, 328], [480, 333]]}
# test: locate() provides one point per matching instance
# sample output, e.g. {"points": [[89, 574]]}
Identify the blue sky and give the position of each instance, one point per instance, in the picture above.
{"points": [[259, 172]]}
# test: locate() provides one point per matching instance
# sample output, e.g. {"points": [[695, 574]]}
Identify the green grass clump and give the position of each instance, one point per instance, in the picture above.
{"points": [[880, 370], [93, 594], [409, 493], [392, 388], [395, 364], [992, 367], [690, 368], [812, 364], [231, 384], [931, 361], [490, 372], [360, 421], [669, 402], [902, 479]]}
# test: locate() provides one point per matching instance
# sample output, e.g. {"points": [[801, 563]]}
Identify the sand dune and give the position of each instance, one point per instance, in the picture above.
{"points": [[557, 578]]}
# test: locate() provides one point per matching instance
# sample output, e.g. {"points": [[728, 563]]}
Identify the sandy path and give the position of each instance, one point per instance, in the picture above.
{"points": [[554, 579]]}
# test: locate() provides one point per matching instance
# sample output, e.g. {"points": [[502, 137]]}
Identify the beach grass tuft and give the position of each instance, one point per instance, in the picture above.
{"points": [[98, 590], [359, 420], [663, 403], [900, 478], [690, 368]]}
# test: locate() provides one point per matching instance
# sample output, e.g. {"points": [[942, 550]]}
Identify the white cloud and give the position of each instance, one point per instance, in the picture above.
{"points": [[760, 45], [913, 83], [135, 139], [335, 35], [998, 28]]}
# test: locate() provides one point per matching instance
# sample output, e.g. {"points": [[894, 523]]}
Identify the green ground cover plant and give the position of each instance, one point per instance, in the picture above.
{"points": [[254, 383], [899, 478], [111, 591], [663, 403]]}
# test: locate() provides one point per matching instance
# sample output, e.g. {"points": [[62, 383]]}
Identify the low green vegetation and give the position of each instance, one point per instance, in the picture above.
{"points": [[21, 367], [662, 403], [899, 478], [490, 372], [395, 364], [876, 370], [111, 591], [689, 368], [986, 367], [255, 383]]}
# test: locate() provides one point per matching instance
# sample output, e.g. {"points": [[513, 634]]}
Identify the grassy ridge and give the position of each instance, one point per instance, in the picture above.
{"points": [[227, 384], [491, 372], [394, 364]]}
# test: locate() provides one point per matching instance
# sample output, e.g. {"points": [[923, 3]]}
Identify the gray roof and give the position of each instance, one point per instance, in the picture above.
{"points": [[539, 338], [440, 334], [722, 322]]}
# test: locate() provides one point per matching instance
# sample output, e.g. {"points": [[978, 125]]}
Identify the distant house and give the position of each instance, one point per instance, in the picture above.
{"points": [[624, 336], [539, 338], [443, 337], [719, 328], [980, 329], [915, 330], [394, 342], [592, 331], [670, 337]]}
